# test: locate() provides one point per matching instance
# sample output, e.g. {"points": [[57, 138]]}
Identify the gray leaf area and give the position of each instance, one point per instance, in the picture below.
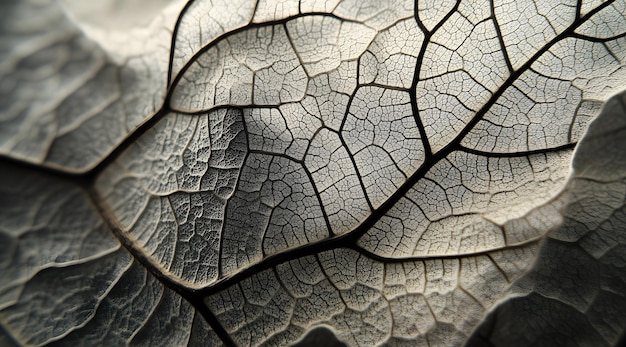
{"points": [[60, 88], [337, 172], [575, 292], [66, 281]]}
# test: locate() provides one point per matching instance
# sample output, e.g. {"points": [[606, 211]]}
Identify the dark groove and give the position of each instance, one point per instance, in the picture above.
{"points": [[608, 49], [276, 259], [598, 39], [416, 16], [579, 7], [179, 20], [505, 53], [310, 177], [412, 94], [419, 64], [131, 138], [567, 146], [319, 201], [389, 260], [342, 241], [495, 263], [295, 52], [382, 86], [235, 190], [345, 145], [210, 318]]}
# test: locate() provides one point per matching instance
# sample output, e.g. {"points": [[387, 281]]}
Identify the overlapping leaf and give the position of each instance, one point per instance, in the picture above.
{"points": [[575, 291], [61, 87], [67, 281]]}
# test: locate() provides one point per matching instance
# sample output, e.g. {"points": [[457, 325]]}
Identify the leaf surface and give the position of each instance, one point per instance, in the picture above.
{"points": [[67, 281], [63, 84], [575, 290], [388, 173]]}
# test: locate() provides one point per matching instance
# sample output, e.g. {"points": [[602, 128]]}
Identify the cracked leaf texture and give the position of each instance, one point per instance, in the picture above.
{"points": [[274, 172]]}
